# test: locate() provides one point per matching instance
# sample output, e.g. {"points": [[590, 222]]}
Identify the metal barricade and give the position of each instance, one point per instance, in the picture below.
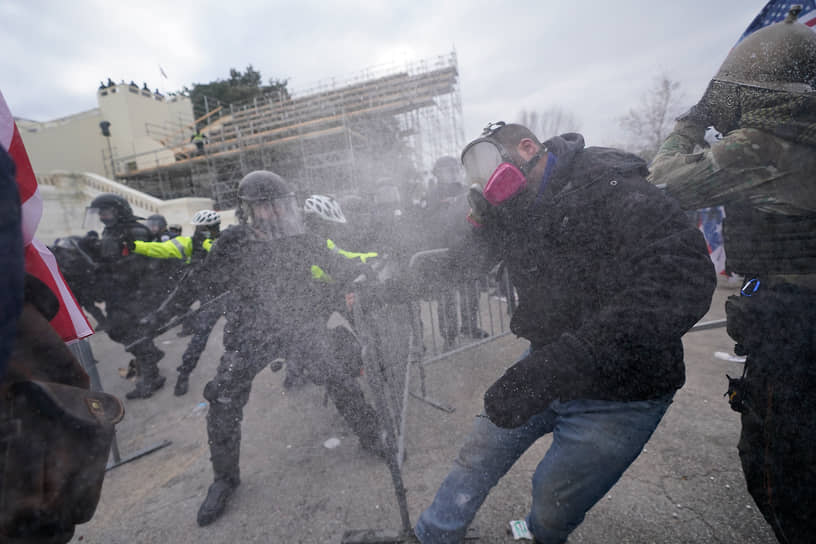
{"points": [[397, 335]]}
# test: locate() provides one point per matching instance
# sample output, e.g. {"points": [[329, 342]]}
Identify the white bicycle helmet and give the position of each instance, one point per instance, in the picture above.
{"points": [[326, 207], [206, 218]]}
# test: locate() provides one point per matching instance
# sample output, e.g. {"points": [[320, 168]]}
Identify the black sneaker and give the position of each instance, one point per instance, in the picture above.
{"points": [[217, 497]]}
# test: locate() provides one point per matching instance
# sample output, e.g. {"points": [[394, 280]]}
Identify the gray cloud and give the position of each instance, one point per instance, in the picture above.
{"points": [[594, 59]]}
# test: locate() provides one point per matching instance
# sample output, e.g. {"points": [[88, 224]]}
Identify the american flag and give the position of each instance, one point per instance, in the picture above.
{"points": [[710, 220], [776, 10], [69, 322]]}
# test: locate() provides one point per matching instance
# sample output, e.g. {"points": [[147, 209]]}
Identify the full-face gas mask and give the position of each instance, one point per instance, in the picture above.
{"points": [[491, 166]]}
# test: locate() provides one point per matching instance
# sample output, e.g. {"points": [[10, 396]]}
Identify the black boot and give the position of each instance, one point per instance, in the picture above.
{"points": [[131, 369], [216, 501], [149, 380], [182, 384], [224, 456], [145, 387]]}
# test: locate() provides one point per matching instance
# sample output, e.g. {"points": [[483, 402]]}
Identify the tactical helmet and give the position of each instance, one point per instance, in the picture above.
{"points": [[107, 210], [114, 202], [269, 205], [262, 185], [158, 221], [324, 207], [206, 218], [781, 56]]}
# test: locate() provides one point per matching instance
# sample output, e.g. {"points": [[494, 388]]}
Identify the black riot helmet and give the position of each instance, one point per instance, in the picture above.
{"points": [[157, 224], [269, 206], [107, 209]]}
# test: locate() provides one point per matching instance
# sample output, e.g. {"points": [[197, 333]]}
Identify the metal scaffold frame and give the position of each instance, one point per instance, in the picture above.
{"points": [[390, 121]]}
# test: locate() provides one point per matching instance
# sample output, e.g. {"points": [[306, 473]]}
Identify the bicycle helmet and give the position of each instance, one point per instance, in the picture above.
{"points": [[326, 207], [206, 218]]}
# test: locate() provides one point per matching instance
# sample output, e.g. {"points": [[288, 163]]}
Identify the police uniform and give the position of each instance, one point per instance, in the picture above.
{"points": [[181, 248], [282, 291]]}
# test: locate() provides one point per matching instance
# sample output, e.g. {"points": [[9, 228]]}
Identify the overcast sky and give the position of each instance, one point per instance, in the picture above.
{"points": [[595, 59]]}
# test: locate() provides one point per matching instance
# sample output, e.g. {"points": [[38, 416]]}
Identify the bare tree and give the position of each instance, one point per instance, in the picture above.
{"points": [[650, 123], [550, 122]]}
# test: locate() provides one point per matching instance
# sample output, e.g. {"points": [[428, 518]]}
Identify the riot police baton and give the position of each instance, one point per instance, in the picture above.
{"points": [[175, 321]]}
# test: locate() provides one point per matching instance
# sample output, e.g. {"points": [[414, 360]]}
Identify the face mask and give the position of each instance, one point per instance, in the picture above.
{"points": [[490, 166]]}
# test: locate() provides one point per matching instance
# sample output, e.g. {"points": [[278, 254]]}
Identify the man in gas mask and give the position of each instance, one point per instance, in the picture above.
{"points": [[279, 303], [610, 274], [763, 100], [129, 286]]}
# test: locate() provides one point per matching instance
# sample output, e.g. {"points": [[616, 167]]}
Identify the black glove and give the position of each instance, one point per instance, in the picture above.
{"points": [[198, 245], [519, 394], [481, 211]]}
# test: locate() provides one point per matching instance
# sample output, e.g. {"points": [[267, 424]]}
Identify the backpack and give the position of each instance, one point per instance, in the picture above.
{"points": [[55, 433]]}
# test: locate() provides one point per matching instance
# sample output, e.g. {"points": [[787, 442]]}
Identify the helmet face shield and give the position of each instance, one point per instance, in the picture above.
{"points": [[98, 218], [277, 218], [155, 225]]}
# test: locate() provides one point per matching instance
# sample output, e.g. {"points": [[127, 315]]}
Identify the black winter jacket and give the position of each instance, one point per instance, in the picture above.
{"points": [[610, 274]]}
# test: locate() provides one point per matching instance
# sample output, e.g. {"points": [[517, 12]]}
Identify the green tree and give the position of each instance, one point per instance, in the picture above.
{"points": [[240, 88]]}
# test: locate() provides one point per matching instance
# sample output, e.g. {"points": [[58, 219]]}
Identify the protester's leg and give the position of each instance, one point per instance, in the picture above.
{"points": [[594, 442], [487, 455]]}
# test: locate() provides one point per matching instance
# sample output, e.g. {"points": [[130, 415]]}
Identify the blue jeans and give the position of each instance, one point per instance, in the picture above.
{"points": [[594, 442]]}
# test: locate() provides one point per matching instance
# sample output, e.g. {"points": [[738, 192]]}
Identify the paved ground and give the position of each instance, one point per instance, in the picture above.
{"points": [[686, 486]]}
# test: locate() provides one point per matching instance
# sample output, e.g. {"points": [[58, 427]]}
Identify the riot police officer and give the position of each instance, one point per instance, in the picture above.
{"points": [[283, 284], [763, 99], [125, 282]]}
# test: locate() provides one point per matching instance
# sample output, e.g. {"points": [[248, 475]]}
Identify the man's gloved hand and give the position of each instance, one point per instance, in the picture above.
{"points": [[481, 211], [198, 244], [127, 243], [519, 394]]}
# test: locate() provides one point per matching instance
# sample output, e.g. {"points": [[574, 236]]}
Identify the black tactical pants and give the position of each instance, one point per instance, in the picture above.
{"points": [[123, 328], [777, 402], [202, 325], [229, 392]]}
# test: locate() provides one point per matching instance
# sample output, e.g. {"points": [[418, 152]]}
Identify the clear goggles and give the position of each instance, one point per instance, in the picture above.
{"points": [[277, 218], [490, 167]]}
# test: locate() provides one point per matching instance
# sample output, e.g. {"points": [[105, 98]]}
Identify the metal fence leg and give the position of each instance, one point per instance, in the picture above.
{"points": [[372, 359], [417, 361], [82, 351]]}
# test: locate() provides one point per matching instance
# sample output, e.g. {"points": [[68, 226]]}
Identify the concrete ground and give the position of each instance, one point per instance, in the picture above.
{"points": [[686, 486]]}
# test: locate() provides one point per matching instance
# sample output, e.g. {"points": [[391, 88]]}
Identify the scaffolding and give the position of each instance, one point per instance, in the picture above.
{"points": [[386, 122]]}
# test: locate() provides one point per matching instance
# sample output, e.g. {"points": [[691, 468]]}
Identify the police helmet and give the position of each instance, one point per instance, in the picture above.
{"points": [[262, 185]]}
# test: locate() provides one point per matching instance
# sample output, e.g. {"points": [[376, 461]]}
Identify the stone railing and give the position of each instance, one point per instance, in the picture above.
{"points": [[66, 194]]}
